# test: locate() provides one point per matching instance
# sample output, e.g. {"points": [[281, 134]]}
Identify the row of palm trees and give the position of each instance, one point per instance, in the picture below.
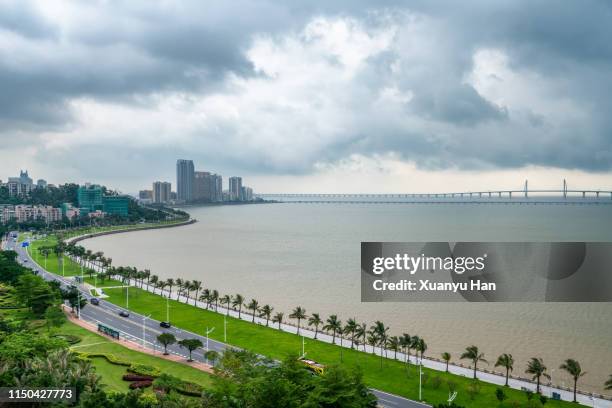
{"points": [[377, 335], [535, 366]]}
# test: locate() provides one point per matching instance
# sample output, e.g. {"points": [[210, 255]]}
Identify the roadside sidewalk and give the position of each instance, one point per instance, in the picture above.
{"points": [[137, 347]]}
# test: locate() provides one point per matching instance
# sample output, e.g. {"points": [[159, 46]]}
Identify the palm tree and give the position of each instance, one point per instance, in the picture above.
{"points": [[537, 368], [205, 297], [254, 307], [154, 280], [446, 357], [196, 285], [608, 383], [214, 298], [372, 340], [266, 312], [393, 343], [298, 313], [278, 318], [186, 288], [421, 347], [226, 300], [472, 353], [334, 325], [170, 284], [350, 328], [573, 368], [147, 275], [238, 301], [380, 330], [361, 332], [506, 361], [315, 320], [405, 342], [179, 287]]}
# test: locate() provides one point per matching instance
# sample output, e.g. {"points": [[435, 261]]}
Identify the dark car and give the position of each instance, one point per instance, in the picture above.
{"points": [[95, 301], [123, 313], [165, 325]]}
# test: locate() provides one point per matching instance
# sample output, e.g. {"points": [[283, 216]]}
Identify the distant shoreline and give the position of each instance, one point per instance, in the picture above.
{"points": [[119, 231]]}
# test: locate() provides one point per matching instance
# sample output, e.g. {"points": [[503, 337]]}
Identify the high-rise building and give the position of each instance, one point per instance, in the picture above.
{"points": [[117, 205], [201, 186], [89, 197], [247, 194], [235, 188], [161, 191], [40, 183], [20, 186], [145, 195], [184, 179], [218, 188]]}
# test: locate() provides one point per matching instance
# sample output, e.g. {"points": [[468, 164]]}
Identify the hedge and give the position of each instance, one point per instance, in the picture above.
{"points": [[69, 338], [142, 369], [140, 384], [167, 382], [111, 358], [136, 377]]}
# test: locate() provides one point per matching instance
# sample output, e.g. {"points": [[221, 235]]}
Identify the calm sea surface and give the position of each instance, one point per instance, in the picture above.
{"points": [[309, 255]]}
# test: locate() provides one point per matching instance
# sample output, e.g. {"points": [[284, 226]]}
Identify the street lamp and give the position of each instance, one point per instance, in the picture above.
{"points": [[420, 380], [208, 331], [168, 308], [224, 329]]}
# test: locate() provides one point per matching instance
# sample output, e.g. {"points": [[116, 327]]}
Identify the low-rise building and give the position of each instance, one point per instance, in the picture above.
{"points": [[25, 213]]}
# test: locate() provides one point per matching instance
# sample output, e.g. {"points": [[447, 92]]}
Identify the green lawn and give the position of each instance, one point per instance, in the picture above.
{"points": [[111, 373], [393, 377]]}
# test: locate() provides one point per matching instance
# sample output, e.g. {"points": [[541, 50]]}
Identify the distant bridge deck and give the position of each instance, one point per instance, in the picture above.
{"points": [[470, 197]]}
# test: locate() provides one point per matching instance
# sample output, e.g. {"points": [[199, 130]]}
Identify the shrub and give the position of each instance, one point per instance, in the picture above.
{"points": [[111, 358], [452, 386], [166, 383], [143, 369], [136, 377], [500, 395], [473, 389], [140, 384], [69, 338], [436, 382]]}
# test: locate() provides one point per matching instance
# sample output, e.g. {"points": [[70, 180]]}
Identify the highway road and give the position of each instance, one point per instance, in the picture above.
{"points": [[131, 327]]}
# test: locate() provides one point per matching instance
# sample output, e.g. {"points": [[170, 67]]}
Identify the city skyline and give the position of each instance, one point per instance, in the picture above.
{"points": [[316, 97]]}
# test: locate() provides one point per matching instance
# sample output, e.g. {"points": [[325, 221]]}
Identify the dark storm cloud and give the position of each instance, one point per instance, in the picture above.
{"points": [[127, 52]]}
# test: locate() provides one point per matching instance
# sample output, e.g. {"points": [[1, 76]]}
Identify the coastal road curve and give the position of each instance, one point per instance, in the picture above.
{"points": [[131, 328]]}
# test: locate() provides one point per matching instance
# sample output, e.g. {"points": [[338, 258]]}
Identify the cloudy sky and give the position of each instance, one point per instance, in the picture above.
{"points": [[309, 96]]}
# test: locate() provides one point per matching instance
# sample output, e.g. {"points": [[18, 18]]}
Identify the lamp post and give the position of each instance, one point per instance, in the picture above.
{"points": [[224, 329], [420, 381], [144, 318], [208, 331], [168, 308], [127, 297]]}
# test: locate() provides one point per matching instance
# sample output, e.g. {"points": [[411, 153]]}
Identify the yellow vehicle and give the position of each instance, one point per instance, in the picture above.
{"points": [[313, 366]]}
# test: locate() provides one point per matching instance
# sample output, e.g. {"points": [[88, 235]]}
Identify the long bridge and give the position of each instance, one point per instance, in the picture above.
{"points": [[518, 196]]}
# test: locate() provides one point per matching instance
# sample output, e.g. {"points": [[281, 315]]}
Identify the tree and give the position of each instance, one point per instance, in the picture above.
{"points": [[608, 383], [393, 343], [361, 332], [472, 353], [226, 300], [298, 313], [191, 345], [315, 320], [196, 285], [253, 306], [573, 368], [266, 313], [166, 339], [351, 328], [170, 284], [506, 361], [278, 318], [334, 325], [238, 301], [381, 332], [54, 317], [212, 356], [446, 357], [420, 347], [406, 343], [500, 395], [537, 368]]}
